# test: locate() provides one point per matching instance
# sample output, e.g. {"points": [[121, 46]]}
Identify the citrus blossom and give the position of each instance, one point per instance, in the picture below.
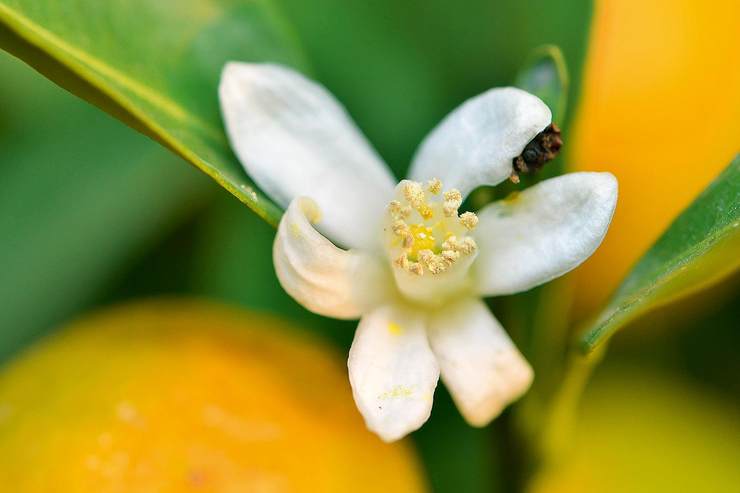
{"points": [[403, 258]]}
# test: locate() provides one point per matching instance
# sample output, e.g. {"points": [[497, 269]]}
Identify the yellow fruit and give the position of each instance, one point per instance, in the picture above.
{"points": [[642, 432], [184, 396], [661, 110]]}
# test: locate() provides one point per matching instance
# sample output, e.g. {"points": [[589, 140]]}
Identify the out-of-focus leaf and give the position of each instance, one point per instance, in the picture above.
{"points": [[402, 66], [233, 262], [480, 458], [698, 249], [79, 193], [546, 76], [155, 65]]}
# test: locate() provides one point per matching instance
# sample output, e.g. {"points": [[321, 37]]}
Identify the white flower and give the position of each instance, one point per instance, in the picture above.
{"points": [[414, 269]]}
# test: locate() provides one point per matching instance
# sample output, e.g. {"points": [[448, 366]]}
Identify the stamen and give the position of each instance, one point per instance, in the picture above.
{"points": [[434, 186], [416, 268], [400, 228], [453, 201], [414, 194], [430, 245], [469, 220]]}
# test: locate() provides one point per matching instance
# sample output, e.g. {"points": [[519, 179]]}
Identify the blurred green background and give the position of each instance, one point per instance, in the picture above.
{"points": [[86, 222]]}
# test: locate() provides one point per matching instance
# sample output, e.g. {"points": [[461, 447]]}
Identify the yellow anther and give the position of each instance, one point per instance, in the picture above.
{"points": [[400, 228], [450, 255], [467, 246], [450, 243], [434, 186], [430, 244], [398, 210], [424, 255], [453, 195], [452, 202], [414, 194], [436, 264], [469, 220]]}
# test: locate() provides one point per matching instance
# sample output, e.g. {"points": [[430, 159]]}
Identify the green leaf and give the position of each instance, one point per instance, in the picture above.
{"points": [[155, 65], [233, 262], [80, 195], [546, 76], [698, 249], [400, 67]]}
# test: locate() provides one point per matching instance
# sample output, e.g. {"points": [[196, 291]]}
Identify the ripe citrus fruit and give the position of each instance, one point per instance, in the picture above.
{"points": [[185, 396], [661, 110]]}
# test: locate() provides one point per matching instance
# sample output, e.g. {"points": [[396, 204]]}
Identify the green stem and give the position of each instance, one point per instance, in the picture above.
{"points": [[560, 416]]}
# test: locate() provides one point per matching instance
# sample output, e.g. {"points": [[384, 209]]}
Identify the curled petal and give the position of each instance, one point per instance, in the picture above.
{"points": [[323, 278], [294, 139], [480, 365], [392, 371], [476, 143], [542, 232]]}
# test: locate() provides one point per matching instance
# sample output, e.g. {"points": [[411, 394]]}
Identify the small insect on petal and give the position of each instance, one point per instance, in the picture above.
{"points": [[543, 148]]}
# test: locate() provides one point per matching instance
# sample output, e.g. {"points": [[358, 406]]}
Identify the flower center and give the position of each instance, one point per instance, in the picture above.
{"points": [[428, 234]]}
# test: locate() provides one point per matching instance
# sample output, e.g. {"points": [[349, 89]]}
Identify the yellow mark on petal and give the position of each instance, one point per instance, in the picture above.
{"points": [[311, 211], [295, 230], [397, 391], [394, 328]]}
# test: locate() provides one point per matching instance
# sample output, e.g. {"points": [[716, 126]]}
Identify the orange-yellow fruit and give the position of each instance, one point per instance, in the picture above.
{"points": [[184, 396], [642, 432], [661, 110]]}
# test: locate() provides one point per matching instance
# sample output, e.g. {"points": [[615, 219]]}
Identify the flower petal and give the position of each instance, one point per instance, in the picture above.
{"points": [[476, 143], [323, 278], [480, 365], [294, 139], [542, 232], [392, 371]]}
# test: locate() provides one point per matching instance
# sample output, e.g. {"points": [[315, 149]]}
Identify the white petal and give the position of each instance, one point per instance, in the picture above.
{"points": [[543, 232], [323, 278], [294, 139], [480, 365], [392, 371], [476, 143]]}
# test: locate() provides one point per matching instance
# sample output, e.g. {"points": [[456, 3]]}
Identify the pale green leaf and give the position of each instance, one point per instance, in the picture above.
{"points": [[155, 65], [546, 76], [698, 249], [80, 197]]}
